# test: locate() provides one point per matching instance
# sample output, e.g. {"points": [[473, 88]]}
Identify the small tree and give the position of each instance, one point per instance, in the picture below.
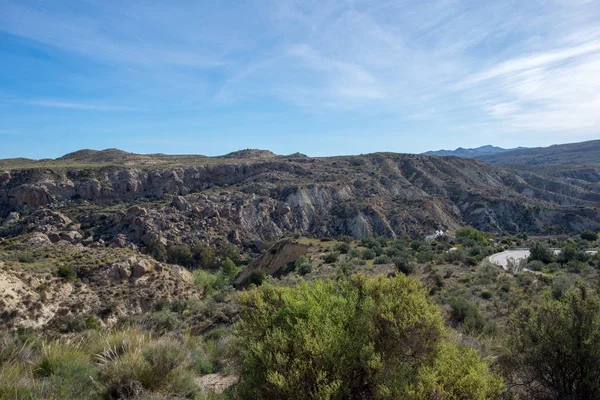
{"points": [[204, 254], [180, 254], [556, 346], [303, 266], [541, 252], [159, 251], [228, 270], [67, 272], [590, 236]]}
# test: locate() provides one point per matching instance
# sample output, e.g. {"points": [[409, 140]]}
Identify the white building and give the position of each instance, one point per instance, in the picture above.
{"points": [[436, 235]]}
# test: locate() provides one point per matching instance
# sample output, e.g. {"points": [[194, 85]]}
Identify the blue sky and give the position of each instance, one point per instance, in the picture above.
{"points": [[317, 76]]}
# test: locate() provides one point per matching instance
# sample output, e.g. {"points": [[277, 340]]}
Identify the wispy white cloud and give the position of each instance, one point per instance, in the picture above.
{"points": [[503, 66], [54, 103]]}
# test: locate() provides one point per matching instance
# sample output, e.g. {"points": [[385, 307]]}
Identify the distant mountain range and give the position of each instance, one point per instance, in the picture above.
{"points": [[570, 154], [579, 162], [470, 153]]}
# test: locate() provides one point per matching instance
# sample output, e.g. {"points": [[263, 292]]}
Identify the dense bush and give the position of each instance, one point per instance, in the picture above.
{"points": [[571, 253], [458, 373], [228, 270], [158, 251], [455, 256], [343, 248], [67, 272], [470, 236], [303, 266], [467, 315], [404, 264], [382, 260], [541, 252], [331, 257], [556, 346], [203, 254], [368, 254], [589, 236], [180, 254], [353, 339]]}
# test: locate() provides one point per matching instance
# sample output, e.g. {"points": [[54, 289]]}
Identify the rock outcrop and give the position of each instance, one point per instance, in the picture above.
{"points": [[241, 200]]}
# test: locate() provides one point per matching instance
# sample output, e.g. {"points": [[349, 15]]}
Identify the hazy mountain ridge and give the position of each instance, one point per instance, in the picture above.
{"points": [[559, 154], [469, 153]]}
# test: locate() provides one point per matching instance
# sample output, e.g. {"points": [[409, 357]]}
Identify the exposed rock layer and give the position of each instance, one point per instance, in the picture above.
{"points": [[243, 200]]}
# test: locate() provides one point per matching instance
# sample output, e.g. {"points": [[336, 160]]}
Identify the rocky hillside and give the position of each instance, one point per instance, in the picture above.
{"points": [[241, 200], [46, 279]]}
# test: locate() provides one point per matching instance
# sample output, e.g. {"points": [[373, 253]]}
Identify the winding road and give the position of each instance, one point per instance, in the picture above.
{"points": [[517, 255]]}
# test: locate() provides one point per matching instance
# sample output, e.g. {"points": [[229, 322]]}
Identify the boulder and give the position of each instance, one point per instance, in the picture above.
{"points": [[181, 204], [121, 270], [234, 237], [38, 239], [141, 267], [120, 241], [71, 236], [11, 219]]}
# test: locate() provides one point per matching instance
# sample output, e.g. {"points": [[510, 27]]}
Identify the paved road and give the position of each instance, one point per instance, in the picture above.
{"points": [[501, 259], [517, 255]]}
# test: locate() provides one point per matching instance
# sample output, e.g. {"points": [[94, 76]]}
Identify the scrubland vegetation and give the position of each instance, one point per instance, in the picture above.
{"points": [[375, 318]]}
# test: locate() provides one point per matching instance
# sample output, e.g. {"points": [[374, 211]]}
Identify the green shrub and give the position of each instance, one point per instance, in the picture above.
{"points": [[303, 266], [256, 278], [541, 252], [229, 251], [183, 385], [382, 260], [164, 359], [67, 272], [80, 323], [203, 254], [467, 315], [202, 364], [469, 235], [343, 248], [560, 285], [159, 366], [158, 251], [368, 254], [351, 339], [458, 373], [555, 346], [404, 264], [228, 270], [161, 321], [536, 265], [331, 258], [486, 294], [180, 254], [26, 258], [590, 236], [122, 378], [571, 253], [455, 256]]}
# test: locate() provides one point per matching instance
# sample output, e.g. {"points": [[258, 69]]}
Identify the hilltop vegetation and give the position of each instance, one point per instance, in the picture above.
{"points": [[347, 317]]}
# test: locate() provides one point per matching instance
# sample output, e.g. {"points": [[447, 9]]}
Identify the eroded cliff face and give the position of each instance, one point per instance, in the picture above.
{"points": [[378, 194]]}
